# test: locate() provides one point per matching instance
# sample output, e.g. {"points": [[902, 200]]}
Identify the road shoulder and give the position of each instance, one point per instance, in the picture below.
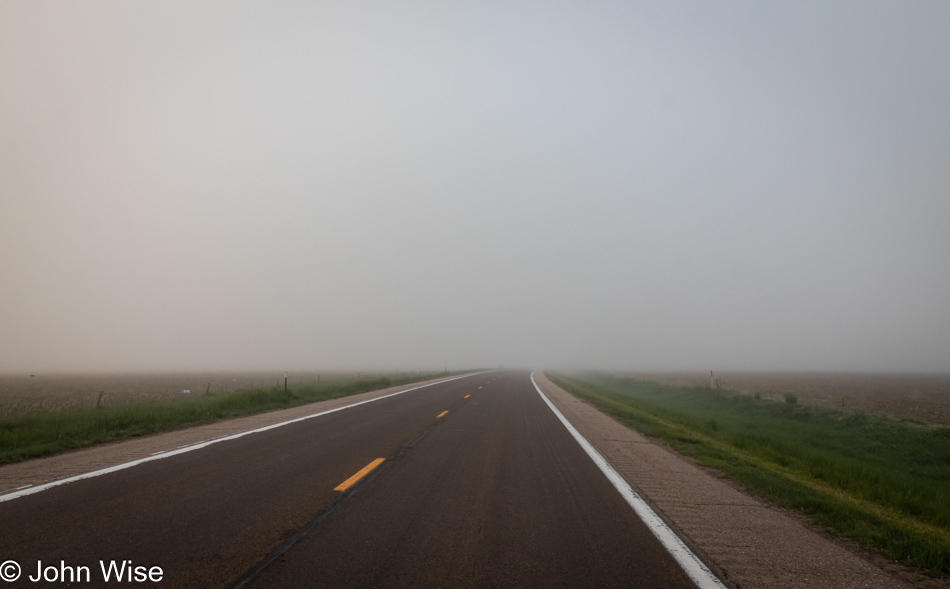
{"points": [[40, 471], [751, 543]]}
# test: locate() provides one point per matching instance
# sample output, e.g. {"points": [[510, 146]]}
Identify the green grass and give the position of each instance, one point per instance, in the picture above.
{"points": [[878, 480], [40, 434]]}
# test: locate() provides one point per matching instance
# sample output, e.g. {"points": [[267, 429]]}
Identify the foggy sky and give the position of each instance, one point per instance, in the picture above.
{"points": [[656, 185]]}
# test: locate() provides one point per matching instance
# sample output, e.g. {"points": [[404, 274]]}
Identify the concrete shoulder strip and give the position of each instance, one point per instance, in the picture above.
{"points": [[690, 563], [200, 445]]}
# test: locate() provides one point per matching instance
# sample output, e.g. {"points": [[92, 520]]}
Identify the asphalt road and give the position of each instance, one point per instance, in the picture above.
{"points": [[494, 492]]}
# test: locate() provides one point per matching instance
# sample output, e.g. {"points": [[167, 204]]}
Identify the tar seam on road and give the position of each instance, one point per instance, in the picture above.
{"points": [[318, 517], [198, 446], [362, 473], [692, 566]]}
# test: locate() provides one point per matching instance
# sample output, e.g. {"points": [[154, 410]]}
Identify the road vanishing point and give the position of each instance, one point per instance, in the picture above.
{"points": [[470, 482]]}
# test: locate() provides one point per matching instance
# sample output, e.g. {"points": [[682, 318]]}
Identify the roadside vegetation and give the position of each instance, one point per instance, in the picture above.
{"points": [[40, 434], [881, 481]]}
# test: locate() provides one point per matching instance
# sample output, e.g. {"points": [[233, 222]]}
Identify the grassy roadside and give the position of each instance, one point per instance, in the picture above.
{"points": [[40, 434], [882, 482]]}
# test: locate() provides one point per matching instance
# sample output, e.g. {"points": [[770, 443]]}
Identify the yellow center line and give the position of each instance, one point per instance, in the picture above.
{"points": [[466, 396], [362, 473], [441, 414], [479, 387]]}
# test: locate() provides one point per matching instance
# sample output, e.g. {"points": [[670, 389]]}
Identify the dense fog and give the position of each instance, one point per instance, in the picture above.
{"points": [[429, 185]]}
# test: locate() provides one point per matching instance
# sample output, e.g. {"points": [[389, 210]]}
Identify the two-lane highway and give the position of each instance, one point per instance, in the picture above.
{"points": [[479, 484]]}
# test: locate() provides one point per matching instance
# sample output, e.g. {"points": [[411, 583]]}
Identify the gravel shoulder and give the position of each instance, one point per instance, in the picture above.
{"points": [[751, 543]]}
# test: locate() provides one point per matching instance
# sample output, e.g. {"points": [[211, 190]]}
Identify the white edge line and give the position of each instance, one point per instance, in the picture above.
{"points": [[694, 568], [199, 445]]}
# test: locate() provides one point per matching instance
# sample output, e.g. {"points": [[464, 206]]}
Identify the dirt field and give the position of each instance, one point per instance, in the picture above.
{"points": [[21, 394], [925, 397]]}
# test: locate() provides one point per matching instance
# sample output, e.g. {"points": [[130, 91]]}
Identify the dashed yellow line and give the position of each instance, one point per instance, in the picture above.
{"points": [[362, 473], [479, 387], [466, 396], [441, 414]]}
